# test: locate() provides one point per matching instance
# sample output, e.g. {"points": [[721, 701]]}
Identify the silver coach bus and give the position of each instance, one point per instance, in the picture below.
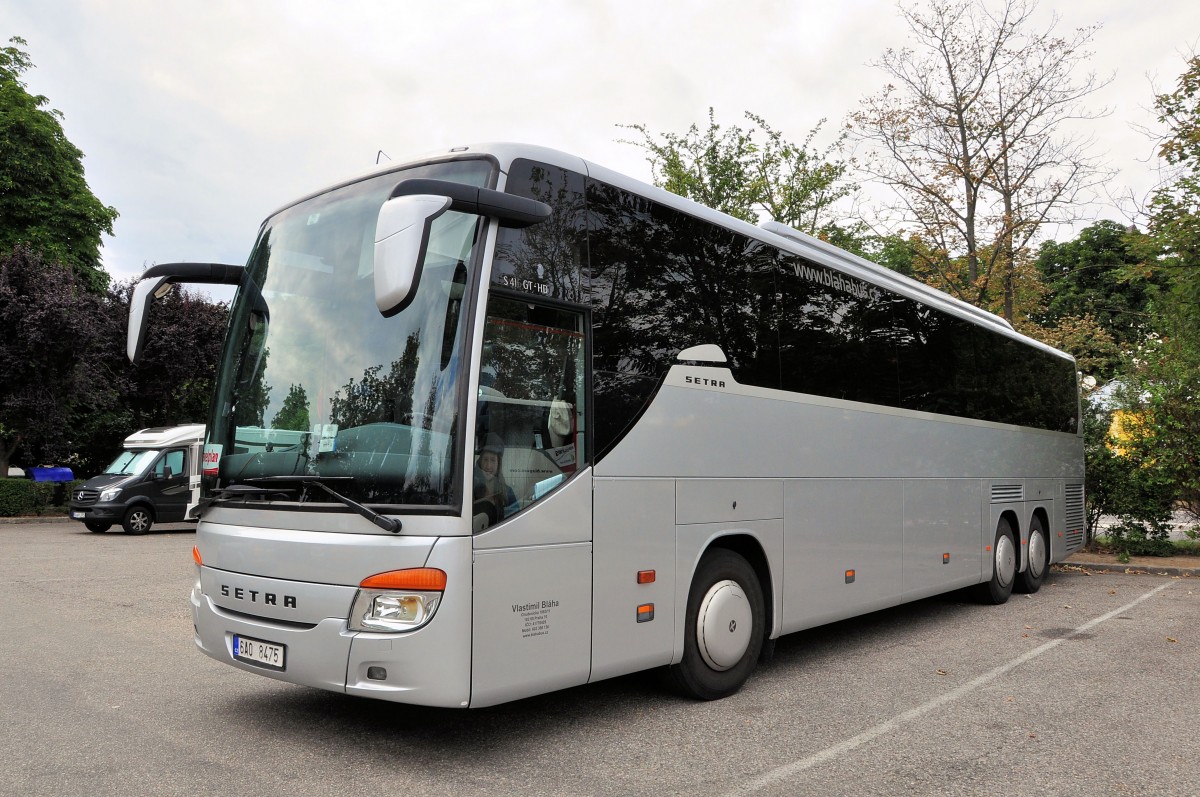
{"points": [[501, 421]]}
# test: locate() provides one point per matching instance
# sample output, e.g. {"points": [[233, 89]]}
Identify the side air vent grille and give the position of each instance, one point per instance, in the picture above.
{"points": [[1007, 493], [1073, 535]]}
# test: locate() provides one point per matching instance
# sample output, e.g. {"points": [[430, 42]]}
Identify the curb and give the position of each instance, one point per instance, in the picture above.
{"points": [[1133, 570], [20, 521]]}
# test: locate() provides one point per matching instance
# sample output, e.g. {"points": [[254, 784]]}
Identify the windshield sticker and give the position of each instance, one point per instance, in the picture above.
{"points": [[326, 433]]}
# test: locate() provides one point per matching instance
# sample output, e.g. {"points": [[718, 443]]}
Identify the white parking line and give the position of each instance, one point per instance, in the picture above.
{"points": [[782, 773]]}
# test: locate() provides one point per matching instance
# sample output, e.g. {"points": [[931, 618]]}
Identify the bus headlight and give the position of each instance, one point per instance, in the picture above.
{"points": [[376, 610], [400, 600]]}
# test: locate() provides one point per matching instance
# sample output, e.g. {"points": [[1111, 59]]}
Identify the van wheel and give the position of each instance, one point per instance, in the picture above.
{"points": [[1004, 567], [1030, 579], [97, 526], [724, 629], [138, 520]]}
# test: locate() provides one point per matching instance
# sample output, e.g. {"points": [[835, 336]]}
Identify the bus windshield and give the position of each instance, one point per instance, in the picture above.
{"points": [[315, 385]]}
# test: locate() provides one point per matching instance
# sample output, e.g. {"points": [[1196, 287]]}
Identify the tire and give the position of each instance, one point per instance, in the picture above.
{"points": [[137, 520], [97, 526], [1030, 579], [724, 628], [1004, 567]]}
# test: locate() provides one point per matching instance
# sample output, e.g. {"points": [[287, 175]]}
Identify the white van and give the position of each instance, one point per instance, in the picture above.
{"points": [[156, 478]]}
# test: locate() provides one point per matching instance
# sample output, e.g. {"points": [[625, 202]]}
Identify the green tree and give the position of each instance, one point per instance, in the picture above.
{"points": [[1100, 274], [728, 170], [294, 412], [45, 202], [1169, 395]]}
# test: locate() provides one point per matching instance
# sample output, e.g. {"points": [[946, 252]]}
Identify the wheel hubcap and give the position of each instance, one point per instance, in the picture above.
{"points": [[1006, 560], [139, 521], [723, 625], [1037, 553]]}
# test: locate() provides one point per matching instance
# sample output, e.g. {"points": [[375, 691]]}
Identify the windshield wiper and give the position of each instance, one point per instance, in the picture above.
{"points": [[386, 523]]}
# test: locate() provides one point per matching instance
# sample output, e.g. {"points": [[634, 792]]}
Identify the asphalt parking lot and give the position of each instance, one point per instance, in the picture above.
{"points": [[1088, 688]]}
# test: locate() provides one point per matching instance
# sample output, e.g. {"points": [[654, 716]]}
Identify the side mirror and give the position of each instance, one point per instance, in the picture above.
{"points": [[402, 229], [401, 235], [156, 282]]}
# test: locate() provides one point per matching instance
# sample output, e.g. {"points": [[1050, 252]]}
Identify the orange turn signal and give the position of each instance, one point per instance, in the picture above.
{"points": [[421, 579], [196, 556], [645, 577]]}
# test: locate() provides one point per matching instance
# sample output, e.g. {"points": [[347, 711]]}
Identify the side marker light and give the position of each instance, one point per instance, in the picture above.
{"points": [[849, 576], [645, 576], [645, 613], [196, 556]]}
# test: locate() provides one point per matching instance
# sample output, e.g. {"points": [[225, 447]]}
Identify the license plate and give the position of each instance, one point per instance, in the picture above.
{"points": [[256, 651], [77, 515]]}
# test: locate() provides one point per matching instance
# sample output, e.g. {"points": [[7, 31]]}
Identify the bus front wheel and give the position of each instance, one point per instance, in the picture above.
{"points": [[1004, 567], [1030, 579], [724, 629]]}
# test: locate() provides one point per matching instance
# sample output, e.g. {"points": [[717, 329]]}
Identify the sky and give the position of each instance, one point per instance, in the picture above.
{"points": [[199, 118]]}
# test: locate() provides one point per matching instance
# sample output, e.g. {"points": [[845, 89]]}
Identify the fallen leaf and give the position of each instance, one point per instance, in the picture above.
{"points": [[1173, 639], [942, 672], [1112, 592]]}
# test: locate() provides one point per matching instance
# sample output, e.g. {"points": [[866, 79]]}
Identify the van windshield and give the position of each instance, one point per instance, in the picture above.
{"points": [[315, 384], [130, 462]]}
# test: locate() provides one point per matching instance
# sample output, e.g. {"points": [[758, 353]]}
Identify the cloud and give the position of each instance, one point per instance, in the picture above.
{"points": [[199, 119]]}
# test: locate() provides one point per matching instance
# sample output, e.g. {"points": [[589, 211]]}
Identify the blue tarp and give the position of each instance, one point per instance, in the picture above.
{"points": [[50, 474]]}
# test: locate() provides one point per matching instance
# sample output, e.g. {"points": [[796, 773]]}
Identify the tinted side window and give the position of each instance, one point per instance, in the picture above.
{"points": [[953, 367], [660, 281], [836, 334], [544, 260]]}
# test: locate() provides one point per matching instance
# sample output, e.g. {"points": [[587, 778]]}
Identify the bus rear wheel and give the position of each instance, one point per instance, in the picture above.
{"points": [[724, 629], [1004, 567], [1030, 579]]}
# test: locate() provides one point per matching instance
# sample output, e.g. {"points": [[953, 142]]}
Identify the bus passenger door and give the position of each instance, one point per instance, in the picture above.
{"points": [[531, 498]]}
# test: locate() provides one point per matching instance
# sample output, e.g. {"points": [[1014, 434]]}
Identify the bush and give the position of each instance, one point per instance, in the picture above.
{"points": [[19, 497], [1132, 537]]}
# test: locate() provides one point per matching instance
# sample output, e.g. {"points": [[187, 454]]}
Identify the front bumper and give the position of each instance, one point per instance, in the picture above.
{"points": [[99, 513]]}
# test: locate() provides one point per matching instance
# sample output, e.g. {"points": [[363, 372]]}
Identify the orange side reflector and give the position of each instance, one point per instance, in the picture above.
{"points": [[945, 558], [645, 577], [988, 548], [422, 579], [645, 613], [196, 556], [849, 576]]}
